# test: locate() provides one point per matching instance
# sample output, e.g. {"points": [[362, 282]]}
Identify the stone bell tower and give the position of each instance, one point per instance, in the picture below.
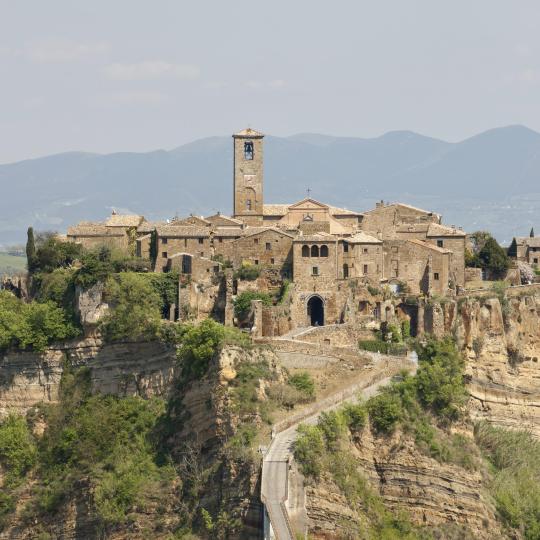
{"points": [[248, 176]]}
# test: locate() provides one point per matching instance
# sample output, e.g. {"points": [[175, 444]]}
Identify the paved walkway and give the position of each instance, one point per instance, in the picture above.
{"points": [[274, 485]]}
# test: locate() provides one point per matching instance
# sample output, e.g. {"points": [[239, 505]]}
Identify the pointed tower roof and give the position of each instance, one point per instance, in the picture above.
{"points": [[249, 133]]}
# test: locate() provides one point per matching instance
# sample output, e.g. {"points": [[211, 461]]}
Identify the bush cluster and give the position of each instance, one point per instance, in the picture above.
{"points": [[242, 303], [248, 272], [32, 325], [199, 343]]}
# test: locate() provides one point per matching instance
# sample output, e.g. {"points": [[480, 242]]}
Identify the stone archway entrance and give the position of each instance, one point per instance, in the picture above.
{"points": [[315, 311]]}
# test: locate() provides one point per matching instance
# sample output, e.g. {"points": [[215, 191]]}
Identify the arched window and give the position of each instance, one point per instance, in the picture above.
{"points": [[248, 150], [324, 251], [305, 251], [314, 251], [345, 271]]}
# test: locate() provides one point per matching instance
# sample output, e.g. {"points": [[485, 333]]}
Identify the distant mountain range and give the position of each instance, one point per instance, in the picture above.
{"points": [[490, 181]]}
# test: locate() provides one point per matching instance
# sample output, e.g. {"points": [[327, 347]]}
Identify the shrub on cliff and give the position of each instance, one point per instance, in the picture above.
{"points": [[18, 450], [135, 308], [32, 326], [199, 343]]}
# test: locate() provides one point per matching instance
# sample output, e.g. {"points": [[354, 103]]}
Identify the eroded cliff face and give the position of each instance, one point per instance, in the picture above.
{"points": [[433, 494], [123, 369], [502, 347]]}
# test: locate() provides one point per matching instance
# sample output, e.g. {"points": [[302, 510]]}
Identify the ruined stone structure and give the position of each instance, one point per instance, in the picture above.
{"points": [[339, 261]]}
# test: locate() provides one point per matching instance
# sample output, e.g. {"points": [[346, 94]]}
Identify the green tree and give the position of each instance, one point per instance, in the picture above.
{"points": [[242, 303], [153, 247], [494, 258], [135, 308], [30, 248]]}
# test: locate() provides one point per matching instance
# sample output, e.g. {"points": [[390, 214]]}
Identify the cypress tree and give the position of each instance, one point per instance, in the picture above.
{"points": [[532, 232], [30, 249], [153, 247]]}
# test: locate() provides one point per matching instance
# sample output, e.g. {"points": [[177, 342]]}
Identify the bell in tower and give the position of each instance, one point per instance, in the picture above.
{"points": [[248, 176]]}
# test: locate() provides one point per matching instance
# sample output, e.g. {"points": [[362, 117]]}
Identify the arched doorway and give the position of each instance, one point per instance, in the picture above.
{"points": [[315, 311]]}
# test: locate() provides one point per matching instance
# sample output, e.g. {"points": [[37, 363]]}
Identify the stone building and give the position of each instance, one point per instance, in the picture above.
{"points": [[264, 246], [333, 256], [173, 239], [526, 249], [422, 267]]}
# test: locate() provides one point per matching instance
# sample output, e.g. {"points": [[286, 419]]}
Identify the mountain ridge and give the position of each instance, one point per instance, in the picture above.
{"points": [[489, 180]]}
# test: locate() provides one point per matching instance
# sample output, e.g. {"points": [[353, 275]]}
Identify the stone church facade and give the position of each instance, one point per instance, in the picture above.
{"points": [[336, 263]]}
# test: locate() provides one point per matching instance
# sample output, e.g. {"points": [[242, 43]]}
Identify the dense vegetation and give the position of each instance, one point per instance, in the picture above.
{"points": [[32, 326], [515, 460], [104, 443]]}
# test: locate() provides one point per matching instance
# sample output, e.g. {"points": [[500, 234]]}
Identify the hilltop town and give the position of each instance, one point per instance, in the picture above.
{"points": [[328, 258]]}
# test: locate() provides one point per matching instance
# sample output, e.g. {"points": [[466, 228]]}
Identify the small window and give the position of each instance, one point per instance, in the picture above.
{"points": [[365, 269], [248, 204], [248, 150], [164, 254], [220, 240], [535, 261], [185, 242], [272, 261], [268, 246], [256, 262], [201, 240], [345, 271], [440, 243], [345, 247], [255, 240], [314, 251], [305, 251], [315, 271], [436, 276], [324, 251], [365, 250], [164, 240]]}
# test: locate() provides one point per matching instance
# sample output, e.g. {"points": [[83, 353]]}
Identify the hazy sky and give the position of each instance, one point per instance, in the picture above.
{"points": [[111, 75]]}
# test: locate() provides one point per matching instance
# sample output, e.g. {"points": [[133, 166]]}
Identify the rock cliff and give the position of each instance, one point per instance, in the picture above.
{"points": [[124, 369]]}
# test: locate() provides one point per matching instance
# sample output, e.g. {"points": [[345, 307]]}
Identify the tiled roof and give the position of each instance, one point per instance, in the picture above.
{"points": [[282, 209], [427, 245], [190, 220], [221, 217], [335, 211], [252, 231], [442, 230], [319, 237], [124, 220], [180, 231], [427, 212], [363, 238], [528, 241], [149, 226], [228, 232], [93, 229]]}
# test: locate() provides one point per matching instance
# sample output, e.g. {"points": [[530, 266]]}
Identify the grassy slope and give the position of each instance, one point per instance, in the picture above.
{"points": [[11, 263]]}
